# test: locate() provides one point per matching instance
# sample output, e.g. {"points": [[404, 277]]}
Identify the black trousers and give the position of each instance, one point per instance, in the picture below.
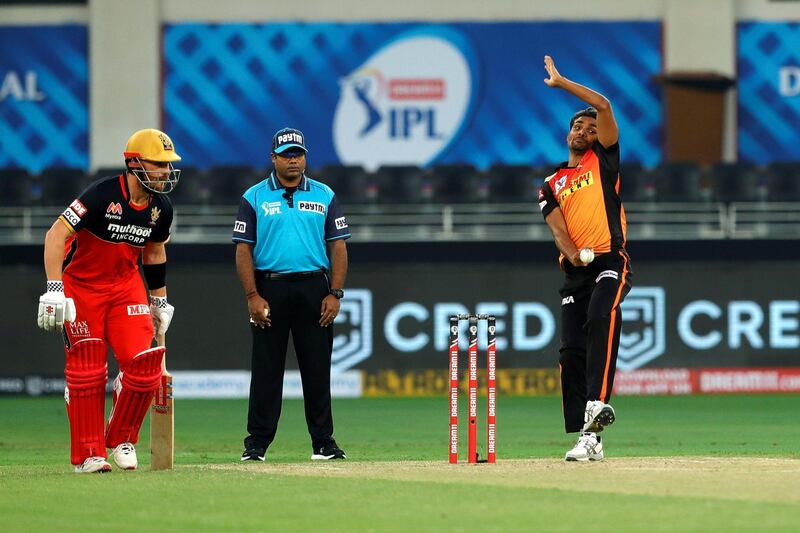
{"points": [[294, 307], [591, 322]]}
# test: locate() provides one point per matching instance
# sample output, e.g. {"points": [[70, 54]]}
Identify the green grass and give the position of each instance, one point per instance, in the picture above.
{"points": [[371, 492]]}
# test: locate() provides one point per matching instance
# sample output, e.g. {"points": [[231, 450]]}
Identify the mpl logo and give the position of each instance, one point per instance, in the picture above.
{"points": [[644, 325], [355, 318], [397, 108]]}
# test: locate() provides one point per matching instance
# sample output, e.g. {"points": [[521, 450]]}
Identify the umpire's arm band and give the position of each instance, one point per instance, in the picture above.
{"points": [[155, 275]]}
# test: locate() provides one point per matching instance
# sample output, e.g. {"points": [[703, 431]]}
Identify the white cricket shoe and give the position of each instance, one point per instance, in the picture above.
{"points": [[588, 448], [597, 416], [93, 464], [125, 456]]}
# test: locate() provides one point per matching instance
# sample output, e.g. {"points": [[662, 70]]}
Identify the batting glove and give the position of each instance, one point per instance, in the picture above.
{"points": [[55, 308]]}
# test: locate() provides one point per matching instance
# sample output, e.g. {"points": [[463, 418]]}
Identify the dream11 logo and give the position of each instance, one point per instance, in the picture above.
{"points": [[407, 102]]}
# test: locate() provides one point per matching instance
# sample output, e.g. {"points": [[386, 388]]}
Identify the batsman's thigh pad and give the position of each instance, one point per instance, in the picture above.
{"points": [[86, 373], [133, 393]]}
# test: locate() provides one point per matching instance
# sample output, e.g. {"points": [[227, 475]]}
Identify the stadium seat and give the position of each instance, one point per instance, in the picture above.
{"points": [[457, 183], [105, 172], [192, 188], [402, 184], [678, 181], [227, 183], [783, 182], [14, 187], [516, 183], [57, 186], [351, 183], [738, 182], [636, 183]]}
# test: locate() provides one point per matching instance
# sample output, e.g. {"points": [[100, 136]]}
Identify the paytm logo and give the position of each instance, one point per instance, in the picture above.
{"points": [[397, 108], [643, 323], [355, 319]]}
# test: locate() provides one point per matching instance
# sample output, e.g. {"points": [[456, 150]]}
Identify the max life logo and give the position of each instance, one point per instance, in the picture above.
{"points": [[398, 109]]}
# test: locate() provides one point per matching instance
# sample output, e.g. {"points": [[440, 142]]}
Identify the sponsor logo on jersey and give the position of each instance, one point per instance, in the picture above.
{"points": [[607, 274], [341, 223], [396, 109], [131, 233], [114, 211], [271, 208], [560, 182], [78, 207], [240, 227], [71, 217], [140, 309], [315, 207], [584, 180], [79, 329], [567, 300]]}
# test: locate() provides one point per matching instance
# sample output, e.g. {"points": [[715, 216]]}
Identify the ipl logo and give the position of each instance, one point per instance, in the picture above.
{"points": [[398, 109], [642, 312], [355, 317]]}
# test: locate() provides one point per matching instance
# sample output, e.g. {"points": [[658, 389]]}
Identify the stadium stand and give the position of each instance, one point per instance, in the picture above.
{"points": [[454, 183], [402, 184], [226, 183], [738, 182], [679, 181], [351, 183], [783, 182], [14, 187], [57, 186], [515, 183]]}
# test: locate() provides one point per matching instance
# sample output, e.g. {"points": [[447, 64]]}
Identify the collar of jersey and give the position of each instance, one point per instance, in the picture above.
{"points": [[274, 184]]}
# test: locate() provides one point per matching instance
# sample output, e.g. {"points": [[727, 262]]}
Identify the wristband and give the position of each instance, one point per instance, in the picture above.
{"points": [[252, 294], [55, 286], [155, 275]]}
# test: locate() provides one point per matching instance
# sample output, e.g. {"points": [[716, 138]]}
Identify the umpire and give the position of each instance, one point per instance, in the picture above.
{"points": [[291, 259]]}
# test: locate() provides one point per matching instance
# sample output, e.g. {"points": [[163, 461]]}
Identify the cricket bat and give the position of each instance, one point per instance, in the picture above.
{"points": [[162, 420]]}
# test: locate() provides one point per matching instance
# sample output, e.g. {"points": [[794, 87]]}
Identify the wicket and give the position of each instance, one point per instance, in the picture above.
{"points": [[491, 388]]}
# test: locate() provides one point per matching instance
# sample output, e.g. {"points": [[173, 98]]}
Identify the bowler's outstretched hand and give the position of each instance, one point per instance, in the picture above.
{"points": [[555, 78]]}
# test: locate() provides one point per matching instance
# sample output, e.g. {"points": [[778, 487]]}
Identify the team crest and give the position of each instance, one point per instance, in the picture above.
{"points": [[165, 141], [154, 214]]}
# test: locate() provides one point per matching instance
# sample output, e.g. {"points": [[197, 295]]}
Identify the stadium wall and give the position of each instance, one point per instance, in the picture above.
{"points": [[726, 310]]}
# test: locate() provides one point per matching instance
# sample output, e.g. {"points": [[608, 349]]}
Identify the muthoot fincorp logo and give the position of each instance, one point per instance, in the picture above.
{"points": [[407, 102]]}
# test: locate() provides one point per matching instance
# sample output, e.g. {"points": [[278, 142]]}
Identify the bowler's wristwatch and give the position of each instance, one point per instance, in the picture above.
{"points": [[339, 293]]}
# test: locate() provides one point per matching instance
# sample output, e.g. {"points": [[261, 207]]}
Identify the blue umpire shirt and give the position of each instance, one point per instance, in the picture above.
{"points": [[290, 235]]}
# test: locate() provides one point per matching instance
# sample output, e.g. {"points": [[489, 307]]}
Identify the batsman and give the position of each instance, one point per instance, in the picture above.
{"points": [[96, 298]]}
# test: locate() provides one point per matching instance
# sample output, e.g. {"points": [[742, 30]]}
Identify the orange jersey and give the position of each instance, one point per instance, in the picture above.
{"points": [[588, 195]]}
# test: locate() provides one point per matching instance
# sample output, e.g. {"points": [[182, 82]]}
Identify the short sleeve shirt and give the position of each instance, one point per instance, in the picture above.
{"points": [[289, 231], [110, 232], [588, 195]]}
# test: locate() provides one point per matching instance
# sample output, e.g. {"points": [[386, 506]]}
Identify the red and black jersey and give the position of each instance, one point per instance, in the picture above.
{"points": [[588, 195], [110, 232]]}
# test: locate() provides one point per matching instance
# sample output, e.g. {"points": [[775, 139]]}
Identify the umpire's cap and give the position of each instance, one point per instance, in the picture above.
{"points": [[287, 138], [151, 145]]}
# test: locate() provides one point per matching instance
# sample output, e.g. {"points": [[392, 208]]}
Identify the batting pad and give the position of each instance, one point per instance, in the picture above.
{"points": [[86, 373], [133, 393]]}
